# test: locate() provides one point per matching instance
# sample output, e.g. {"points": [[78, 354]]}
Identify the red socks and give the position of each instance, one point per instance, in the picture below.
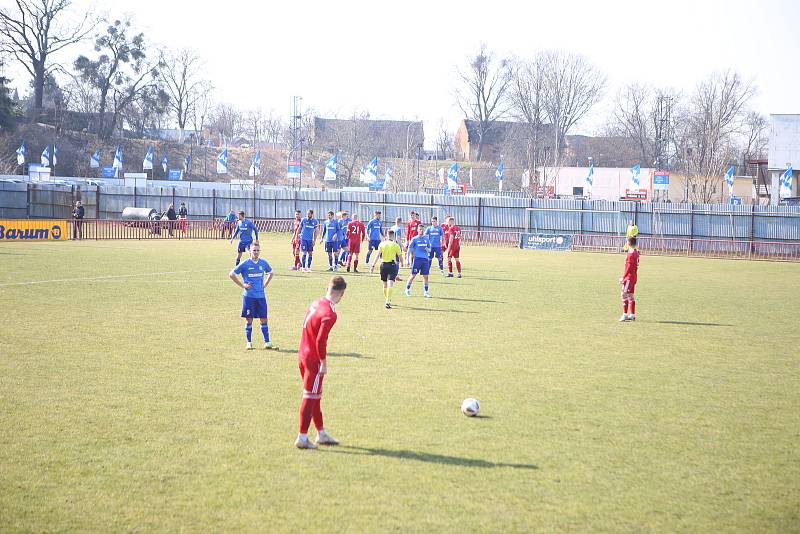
{"points": [[450, 265], [306, 412], [296, 260], [632, 307], [625, 306], [317, 414], [355, 264], [458, 266]]}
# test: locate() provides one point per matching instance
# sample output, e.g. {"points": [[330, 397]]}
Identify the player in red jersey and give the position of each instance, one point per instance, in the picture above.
{"points": [[628, 281], [356, 231], [298, 224], [320, 318], [453, 247], [412, 227], [445, 226]]}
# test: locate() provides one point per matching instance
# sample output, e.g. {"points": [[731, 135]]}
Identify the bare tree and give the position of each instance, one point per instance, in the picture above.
{"points": [[255, 125], [182, 84], [707, 128], [444, 143], [527, 97], [202, 107], [32, 31], [226, 120], [755, 137], [482, 94], [572, 86], [273, 128], [634, 117]]}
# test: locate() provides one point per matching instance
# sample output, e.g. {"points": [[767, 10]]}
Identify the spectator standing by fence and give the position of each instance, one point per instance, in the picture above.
{"points": [[77, 214], [183, 216], [171, 218]]}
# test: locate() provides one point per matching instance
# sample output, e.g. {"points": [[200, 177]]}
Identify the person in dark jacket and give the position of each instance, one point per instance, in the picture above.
{"points": [[171, 217], [77, 214]]}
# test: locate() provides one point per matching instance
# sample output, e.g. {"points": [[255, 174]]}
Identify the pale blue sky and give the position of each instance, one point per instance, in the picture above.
{"points": [[397, 59]]}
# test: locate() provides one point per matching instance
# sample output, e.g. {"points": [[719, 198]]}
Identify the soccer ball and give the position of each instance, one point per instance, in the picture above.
{"points": [[470, 407]]}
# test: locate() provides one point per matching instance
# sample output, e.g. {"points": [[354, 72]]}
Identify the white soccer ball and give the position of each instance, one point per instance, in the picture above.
{"points": [[470, 407]]}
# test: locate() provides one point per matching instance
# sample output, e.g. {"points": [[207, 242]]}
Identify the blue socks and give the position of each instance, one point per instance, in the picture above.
{"points": [[369, 252], [330, 260], [426, 287], [248, 331], [265, 331], [304, 259], [309, 261]]}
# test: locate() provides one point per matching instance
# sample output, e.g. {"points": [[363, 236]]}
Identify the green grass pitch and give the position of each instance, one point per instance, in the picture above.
{"points": [[128, 403]]}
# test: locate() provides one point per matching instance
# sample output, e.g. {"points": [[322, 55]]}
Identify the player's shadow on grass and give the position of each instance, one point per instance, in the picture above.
{"points": [[689, 323], [426, 457], [403, 307], [334, 354], [471, 300]]}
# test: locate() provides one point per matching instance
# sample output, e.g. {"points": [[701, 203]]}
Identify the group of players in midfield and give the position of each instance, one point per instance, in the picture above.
{"points": [[343, 238], [423, 245]]}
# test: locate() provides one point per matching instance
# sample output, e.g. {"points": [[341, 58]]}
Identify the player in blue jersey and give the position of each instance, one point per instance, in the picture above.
{"points": [[419, 253], [308, 234], [256, 275], [330, 234], [374, 233], [434, 234], [245, 229], [342, 244]]}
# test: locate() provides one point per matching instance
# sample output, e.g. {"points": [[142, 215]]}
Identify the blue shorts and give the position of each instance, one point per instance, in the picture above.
{"points": [[254, 307], [307, 245], [374, 244], [342, 244], [421, 266], [331, 246], [436, 253], [244, 246]]}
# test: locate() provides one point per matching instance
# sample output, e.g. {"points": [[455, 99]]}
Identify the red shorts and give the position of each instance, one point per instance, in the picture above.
{"points": [[295, 243], [355, 246], [454, 250], [628, 285], [312, 380]]}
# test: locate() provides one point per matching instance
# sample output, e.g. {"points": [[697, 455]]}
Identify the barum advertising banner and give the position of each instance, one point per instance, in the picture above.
{"points": [[34, 230]]}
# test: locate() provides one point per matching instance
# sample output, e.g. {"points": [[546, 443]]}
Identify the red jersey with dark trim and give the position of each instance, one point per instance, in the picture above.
{"points": [[356, 231], [454, 236], [412, 229], [631, 265], [320, 318], [298, 225]]}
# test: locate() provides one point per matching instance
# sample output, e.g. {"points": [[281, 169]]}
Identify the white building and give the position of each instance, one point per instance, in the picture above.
{"points": [[784, 150], [609, 183]]}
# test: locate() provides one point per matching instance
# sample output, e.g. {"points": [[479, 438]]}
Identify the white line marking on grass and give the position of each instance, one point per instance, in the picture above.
{"points": [[109, 277], [117, 276]]}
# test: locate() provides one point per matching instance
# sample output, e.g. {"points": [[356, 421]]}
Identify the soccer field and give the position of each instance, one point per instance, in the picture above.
{"points": [[128, 403]]}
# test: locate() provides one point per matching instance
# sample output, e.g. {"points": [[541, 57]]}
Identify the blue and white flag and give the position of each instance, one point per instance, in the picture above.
{"points": [[636, 182], [362, 174], [255, 165], [729, 178], [785, 185], [498, 174], [388, 173], [94, 161], [452, 177], [46, 157], [21, 154], [147, 164], [164, 163], [330, 169], [117, 158], [222, 162], [55, 155], [590, 178], [187, 159], [372, 170]]}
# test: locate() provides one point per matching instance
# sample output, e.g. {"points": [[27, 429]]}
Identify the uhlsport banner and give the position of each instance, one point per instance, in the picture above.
{"points": [[33, 230], [545, 241]]}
